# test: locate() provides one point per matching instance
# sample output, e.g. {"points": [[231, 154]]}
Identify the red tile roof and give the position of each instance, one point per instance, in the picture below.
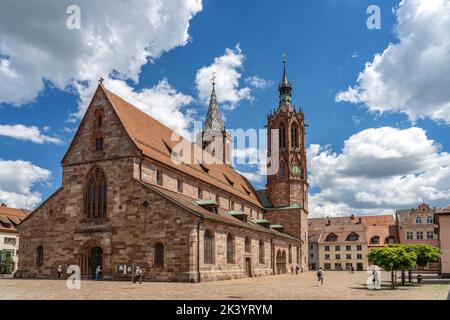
{"points": [[11, 217], [155, 141]]}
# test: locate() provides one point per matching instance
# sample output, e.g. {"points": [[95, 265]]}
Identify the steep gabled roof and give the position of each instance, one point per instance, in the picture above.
{"points": [[155, 141]]}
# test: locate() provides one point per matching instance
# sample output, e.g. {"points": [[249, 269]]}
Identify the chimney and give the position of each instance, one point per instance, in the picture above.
{"points": [[359, 220], [352, 217], [4, 205], [328, 223]]}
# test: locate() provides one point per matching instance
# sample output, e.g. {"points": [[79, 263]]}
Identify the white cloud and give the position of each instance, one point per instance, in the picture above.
{"points": [[162, 102], [258, 82], [17, 179], [413, 75], [228, 73], [114, 39], [25, 133], [253, 177], [378, 170]]}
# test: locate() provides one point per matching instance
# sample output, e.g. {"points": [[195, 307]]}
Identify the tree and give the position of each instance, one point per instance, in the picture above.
{"points": [[425, 253], [393, 258]]}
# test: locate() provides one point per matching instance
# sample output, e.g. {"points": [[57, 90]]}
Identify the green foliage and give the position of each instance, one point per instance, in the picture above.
{"points": [[403, 257], [425, 253], [395, 257]]}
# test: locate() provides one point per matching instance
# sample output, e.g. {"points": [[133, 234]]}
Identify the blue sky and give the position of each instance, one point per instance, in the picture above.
{"points": [[327, 44]]}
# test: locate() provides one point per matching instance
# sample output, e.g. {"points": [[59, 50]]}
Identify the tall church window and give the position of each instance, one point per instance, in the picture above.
{"points": [[95, 195], [159, 255], [261, 252], [208, 249], [230, 249], [282, 170], [98, 144], [248, 245], [282, 137], [294, 136], [40, 256]]}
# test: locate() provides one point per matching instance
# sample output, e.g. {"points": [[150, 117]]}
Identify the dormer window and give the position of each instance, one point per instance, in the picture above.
{"points": [[331, 237], [375, 240], [353, 237], [230, 182]]}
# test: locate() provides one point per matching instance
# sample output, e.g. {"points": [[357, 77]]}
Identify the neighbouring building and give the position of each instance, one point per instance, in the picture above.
{"points": [[417, 226], [9, 237], [125, 201], [340, 243], [443, 221]]}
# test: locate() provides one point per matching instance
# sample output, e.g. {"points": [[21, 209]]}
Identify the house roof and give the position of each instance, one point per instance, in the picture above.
{"points": [[444, 211], [11, 217], [222, 215], [155, 142]]}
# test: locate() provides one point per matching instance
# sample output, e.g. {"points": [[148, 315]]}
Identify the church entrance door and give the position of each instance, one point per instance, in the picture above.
{"points": [[96, 259], [281, 262]]}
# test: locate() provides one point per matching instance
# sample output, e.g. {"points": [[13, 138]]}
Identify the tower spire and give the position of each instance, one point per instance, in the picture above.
{"points": [[285, 87], [213, 119]]}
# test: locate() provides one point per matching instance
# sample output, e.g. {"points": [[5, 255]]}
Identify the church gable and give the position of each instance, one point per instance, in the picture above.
{"points": [[100, 136]]}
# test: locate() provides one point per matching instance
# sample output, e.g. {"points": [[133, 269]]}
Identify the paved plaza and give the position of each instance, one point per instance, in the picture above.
{"points": [[338, 285]]}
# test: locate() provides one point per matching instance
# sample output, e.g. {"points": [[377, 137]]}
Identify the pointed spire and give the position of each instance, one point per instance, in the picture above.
{"points": [[285, 87], [285, 80], [214, 119]]}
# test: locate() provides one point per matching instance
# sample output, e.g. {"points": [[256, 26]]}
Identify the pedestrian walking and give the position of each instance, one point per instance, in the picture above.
{"points": [[320, 274], [98, 273], [138, 275], [60, 271], [352, 270]]}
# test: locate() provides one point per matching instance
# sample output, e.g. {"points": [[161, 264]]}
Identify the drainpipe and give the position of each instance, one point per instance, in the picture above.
{"points": [[272, 257], [198, 249]]}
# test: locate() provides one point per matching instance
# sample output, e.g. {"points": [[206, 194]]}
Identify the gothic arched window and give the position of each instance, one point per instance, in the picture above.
{"points": [[282, 170], [282, 137], [39, 256], [294, 136], [95, 195], [208, 247], [230, 249], [159, 255]]}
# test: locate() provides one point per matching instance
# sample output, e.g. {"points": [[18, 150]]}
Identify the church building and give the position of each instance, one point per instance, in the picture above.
{"points": [[124, 202]]}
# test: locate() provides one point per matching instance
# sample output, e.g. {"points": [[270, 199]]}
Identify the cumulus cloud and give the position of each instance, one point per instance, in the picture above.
{"points": [[413, 75], [227, 69], [17, 179], [377, 171], [115, 39], [25, 133], [258, 82]]}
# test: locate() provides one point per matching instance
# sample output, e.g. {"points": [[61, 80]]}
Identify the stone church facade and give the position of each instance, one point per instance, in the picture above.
{"points": [[124, 202]]}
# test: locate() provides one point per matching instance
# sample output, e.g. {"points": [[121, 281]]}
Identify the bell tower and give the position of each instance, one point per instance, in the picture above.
{"points": [[287, 186]]}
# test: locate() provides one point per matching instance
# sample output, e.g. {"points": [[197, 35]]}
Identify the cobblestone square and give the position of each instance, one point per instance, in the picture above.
{"points": [[337, 286]]}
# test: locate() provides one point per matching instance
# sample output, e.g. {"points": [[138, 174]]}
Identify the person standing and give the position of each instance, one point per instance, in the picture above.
{"points": [[320, 274], [60, 271], [138, 275], [98, 273]]}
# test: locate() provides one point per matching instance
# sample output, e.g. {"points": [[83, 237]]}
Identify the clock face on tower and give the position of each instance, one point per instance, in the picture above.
{"points": [[296, 170]]}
